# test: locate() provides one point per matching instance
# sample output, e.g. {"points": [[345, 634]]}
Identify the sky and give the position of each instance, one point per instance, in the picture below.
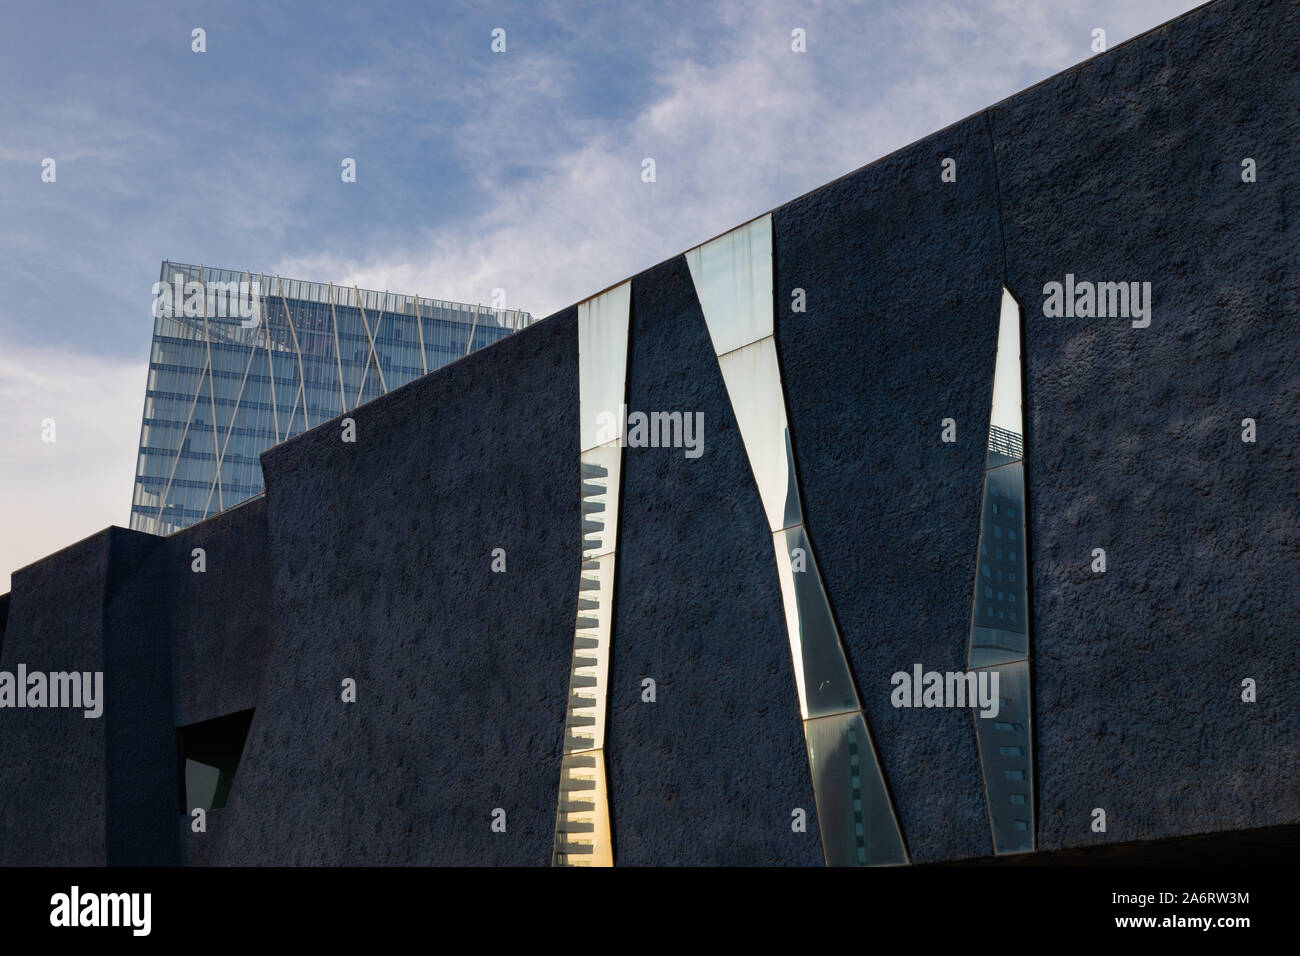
{"points": [[475, 170]]}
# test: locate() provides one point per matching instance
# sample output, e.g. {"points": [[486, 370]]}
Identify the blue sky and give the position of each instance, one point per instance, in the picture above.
{"points": [[475, 170]]}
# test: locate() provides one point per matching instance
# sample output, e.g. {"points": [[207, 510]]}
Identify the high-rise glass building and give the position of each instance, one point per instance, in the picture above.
{"points": [[242, 361]]}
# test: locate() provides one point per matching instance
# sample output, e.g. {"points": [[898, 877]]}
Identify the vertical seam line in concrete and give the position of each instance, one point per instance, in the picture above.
{"points": [[997, 189]]}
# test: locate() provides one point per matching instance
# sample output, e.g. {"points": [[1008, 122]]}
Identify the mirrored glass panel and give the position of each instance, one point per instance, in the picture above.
{"points": [[1007, 760], [753, 378], [1000, 623], [733, 281], [1006, 423], [1000, 628], [821, 671], [585, 718], [602, 365], [582, 836], [856, 818], [601, 468]]}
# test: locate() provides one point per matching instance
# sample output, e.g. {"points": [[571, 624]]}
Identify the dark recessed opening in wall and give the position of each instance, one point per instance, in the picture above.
{"points": [[208, 756]]}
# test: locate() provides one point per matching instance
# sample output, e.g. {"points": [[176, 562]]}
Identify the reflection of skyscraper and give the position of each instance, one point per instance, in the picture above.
{"points": [[999, 619], [226, 385], [999, 639]]}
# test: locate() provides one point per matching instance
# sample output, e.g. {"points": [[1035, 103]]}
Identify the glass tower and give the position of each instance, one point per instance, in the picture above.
{"points": [[243, 361]]}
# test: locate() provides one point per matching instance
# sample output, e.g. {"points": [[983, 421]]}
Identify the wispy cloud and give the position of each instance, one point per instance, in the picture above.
{"points": [[737, 124], [59, 492], [477, 171]]}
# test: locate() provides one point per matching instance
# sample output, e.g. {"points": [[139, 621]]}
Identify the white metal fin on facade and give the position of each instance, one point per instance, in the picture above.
{"points": [[234, 413], [374, 356]]}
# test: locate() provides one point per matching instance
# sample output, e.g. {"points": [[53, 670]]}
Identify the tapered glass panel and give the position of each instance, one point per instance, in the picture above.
{"points": [[854, 814], [589, 675], [582, 836], [821, 671], [1000, 623], [1006, 423], [1007, 760], [753, 378], [1000, 630], [602, 365], [601, 468], [733, 281]]}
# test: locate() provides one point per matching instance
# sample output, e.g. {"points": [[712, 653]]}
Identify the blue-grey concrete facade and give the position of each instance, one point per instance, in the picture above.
{"points": [[372, 560]]}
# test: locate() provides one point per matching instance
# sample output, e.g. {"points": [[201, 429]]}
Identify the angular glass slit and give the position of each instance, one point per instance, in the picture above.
{"points": [[734, 284], [582, 828], [1000, 631]]}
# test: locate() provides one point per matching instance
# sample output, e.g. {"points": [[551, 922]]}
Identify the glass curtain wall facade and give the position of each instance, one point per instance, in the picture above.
{"points": [[243, 361]]}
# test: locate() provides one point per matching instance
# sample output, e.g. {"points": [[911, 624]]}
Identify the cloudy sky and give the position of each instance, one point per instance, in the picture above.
{"points": [[475, 170]]}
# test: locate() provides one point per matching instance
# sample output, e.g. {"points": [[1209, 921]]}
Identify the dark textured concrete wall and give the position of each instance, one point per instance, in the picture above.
{"points": [[710, 772], [140, 738], [52, 778], [380, 560], [174, 647], [221, 636], [372, 560], [902, 274], [1130, 169], [221, 619]]}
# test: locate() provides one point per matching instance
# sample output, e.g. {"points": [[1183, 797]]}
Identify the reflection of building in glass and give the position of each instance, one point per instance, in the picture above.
{"points": [[583, 835], [1000, 589], [226, 384], [1004, 446], [999, 640], [734, 277]]}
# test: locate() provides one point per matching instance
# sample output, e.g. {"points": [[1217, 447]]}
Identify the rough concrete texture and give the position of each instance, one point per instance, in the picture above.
{"points": [[1129, 168], [710, 772], [221, 618], [371, 560], [902, 275], [141, 783], [52, 778], [380, 555]]}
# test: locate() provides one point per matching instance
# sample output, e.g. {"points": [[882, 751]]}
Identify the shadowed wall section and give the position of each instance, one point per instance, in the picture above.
{"points": [[902, 276], [52, 778], [1129, 169], [710, 772], [381, 554]]}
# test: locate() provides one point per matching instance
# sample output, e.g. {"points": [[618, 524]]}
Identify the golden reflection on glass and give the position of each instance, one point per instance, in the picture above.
{"points": [[733, 281], [582, 836], [601, 470], [582, 831], [1000, 616]]}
